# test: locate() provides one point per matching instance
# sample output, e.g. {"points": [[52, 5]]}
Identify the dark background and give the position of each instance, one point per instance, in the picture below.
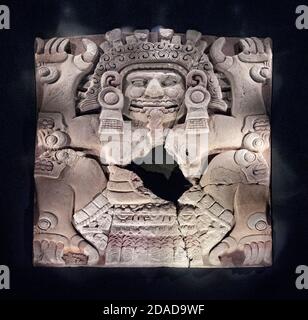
{"points": [[289, 142]]}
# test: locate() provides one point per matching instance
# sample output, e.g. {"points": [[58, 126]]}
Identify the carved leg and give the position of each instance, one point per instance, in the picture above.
{"points": [[249, 243], [55, 239], [204, 222]]}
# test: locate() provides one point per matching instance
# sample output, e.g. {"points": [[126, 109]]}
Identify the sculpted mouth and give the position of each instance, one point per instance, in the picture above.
{"points": [[167, 106]]}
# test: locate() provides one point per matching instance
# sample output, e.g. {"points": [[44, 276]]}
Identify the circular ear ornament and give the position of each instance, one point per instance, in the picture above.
{"points": [[197, 97], [111, 98]]}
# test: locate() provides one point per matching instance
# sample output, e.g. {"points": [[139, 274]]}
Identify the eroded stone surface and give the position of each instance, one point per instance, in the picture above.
{"points": [[107, 101]]}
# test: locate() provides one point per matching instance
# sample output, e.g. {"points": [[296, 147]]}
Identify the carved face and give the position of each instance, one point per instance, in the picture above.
{"points": [[157, 94]]}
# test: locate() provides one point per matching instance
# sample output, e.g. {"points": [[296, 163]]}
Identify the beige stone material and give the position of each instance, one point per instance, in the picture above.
{"points": [[105, 102]]}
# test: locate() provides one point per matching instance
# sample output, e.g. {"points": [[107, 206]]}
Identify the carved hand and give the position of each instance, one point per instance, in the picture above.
{"points": [[246, 71], [59, 73]]}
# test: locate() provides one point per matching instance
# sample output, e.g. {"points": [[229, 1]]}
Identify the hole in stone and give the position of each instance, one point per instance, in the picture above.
{"points": [[164, 179]]}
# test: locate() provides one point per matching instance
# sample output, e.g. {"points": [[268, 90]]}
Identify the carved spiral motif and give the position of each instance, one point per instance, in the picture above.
{"points": [[244, 158], [62, 155], [147, 46], [253, 166], [257, 221], [196, 77], [110, 78], [254, 142], [259, 74], [56, 140], [47, 221], [48, 74], [174, 54], [188, 48], [67, 156], [115, 57]]}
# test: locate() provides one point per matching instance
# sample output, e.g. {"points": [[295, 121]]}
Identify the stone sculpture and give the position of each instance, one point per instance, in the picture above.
{"points": [[105, 101]]}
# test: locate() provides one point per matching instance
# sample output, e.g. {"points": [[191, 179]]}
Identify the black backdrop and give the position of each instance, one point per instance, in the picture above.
{"points": [[289, 155]]}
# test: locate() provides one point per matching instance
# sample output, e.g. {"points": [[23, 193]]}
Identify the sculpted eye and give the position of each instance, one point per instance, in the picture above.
{"points": [[169, 82], [139, 82]]}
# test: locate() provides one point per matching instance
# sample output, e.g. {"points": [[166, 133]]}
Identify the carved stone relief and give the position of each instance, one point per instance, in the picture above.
{"points": [[106, 102]]}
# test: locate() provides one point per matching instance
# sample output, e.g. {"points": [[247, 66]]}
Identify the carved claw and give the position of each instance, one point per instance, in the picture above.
{"points": [[84, 61], [229, 253], [48, 252], [55, 50], [63, 45], [254, 50], [54, 46], [217, 55], [216, 51], [91, 50], [249, 45], [47, 49], [39, 45], [257, 253]]}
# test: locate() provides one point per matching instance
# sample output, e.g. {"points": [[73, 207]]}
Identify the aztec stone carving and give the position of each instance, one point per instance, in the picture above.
{"points": [[106, 103]]}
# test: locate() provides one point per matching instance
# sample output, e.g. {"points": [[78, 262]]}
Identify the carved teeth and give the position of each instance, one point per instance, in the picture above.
{"points": [[153, 103], [145, 108], [131, 108]]}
